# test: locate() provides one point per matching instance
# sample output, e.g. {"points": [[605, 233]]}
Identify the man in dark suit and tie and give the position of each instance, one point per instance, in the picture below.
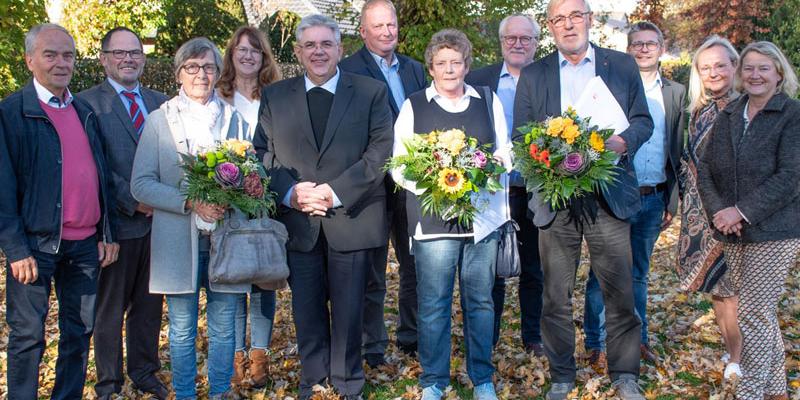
{"points": [[122, 105], [324, 138], [519, 37], [403, 76], [657, 163], [546, 88]]}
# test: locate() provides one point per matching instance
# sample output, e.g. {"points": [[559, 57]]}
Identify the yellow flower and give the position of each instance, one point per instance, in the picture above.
{"points": [[555, 126], [239, 147], [431, 138], [450, 180], [452, 140], [570, 132], [596, 141]]}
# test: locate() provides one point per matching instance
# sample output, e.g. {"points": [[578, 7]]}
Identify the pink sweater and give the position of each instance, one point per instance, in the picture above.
{"points": [[79, 180]]}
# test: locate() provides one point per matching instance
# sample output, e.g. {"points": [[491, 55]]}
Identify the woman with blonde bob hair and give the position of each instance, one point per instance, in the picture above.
{"points": [[701, 265], [749, 180], [249, 66]]}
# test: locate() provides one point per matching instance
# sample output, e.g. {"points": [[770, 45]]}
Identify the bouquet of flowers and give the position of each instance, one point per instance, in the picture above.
{"points": [[229, 173], [450, 167], [564, 157]]}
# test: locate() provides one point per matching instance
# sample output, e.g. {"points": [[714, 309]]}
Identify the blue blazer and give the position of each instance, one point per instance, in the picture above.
{"points": [[411, 73], [539, 96]]}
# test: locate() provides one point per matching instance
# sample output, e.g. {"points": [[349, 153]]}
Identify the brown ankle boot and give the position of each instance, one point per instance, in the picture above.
{"points": [[259, 367], [239, 367], [776, 397]]}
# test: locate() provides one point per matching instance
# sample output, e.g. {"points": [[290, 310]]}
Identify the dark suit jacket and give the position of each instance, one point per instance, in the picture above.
{"points": [[411, 73], [486, 76], [539, 96], [758, 172], [357, 142], [119, 140], [675, 109]]}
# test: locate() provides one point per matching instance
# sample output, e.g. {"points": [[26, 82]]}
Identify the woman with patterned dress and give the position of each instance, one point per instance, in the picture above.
{"points": [[701, 264]]}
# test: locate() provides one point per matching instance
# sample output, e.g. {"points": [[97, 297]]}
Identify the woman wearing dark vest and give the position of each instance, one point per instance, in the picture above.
{"points": [[442, 248]]}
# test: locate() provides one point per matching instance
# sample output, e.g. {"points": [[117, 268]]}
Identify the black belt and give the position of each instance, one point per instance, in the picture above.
{"points": [[648, 190]]}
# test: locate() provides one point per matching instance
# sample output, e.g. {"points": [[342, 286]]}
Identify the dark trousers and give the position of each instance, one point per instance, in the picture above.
{"points": [[327, 306], [610, 252], [375, 337], [124, 289], [531, 280], [74, 268]]}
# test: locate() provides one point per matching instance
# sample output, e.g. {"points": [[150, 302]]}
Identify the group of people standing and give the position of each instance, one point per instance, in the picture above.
{"points": [[94, 201]]}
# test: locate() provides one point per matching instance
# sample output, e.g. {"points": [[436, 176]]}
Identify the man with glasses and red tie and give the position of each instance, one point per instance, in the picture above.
{"points": [[519, 38], [122, 105]]}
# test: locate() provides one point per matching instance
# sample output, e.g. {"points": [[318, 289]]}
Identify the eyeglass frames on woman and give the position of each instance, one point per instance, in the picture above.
{"points": [[192, 69], [575, 18], [242, 51]]}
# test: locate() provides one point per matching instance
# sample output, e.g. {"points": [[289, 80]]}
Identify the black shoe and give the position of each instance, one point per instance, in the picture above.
{"points": [[374, 360], [534, 348], [409, 349], [157, 389]]}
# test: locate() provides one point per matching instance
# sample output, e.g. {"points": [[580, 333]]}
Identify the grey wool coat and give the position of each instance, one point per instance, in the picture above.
{"points": [[157, 180], [758, 171]]}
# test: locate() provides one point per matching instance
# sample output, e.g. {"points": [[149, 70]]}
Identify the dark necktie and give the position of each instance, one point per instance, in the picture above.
{"points": [[319, 106], [136, 114]]}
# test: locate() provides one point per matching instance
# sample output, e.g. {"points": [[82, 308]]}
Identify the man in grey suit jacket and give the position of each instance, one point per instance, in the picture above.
{"points": [[324, 138], [402, 76], [121, 105], [657, 163], [546, 88]]}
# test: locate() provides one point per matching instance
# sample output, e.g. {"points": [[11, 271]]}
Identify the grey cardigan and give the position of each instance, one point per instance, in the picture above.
{"points": [[156, 180], [758, 171]]}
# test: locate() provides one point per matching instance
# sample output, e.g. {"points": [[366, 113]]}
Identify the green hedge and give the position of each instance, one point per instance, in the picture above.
{"points": [[678, 70]]}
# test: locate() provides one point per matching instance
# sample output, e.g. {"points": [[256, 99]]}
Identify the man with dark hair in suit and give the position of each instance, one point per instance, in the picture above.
{"points": [[403, 76], [122, 104], [547, 88], [519, 37], [657, 163], [324, 138]]}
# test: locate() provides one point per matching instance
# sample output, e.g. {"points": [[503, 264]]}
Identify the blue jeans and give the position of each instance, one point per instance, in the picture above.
{"points": [[75, 270], [437, 261], [645, 228], [220, 312], [262, 314]]}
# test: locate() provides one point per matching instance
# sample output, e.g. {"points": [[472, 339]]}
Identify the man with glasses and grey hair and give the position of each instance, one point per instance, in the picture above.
{"points": [[519, 38], [122, 104], [56, 216], [324, 138], [547, 88], [657, 163]]}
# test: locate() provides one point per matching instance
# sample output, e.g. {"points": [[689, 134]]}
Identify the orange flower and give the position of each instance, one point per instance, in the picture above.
{"points": [[544, 157], [534, 150]]}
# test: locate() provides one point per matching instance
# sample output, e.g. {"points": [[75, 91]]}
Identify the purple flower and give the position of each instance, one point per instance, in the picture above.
{"points": [[228, 175], [479, 159], [572, 164]]}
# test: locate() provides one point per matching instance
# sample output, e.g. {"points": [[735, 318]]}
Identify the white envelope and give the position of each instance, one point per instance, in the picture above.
{"points": [[597, 102]]}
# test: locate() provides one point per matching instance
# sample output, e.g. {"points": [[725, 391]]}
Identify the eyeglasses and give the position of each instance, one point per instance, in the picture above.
{"points": [[242, 51], [120, 54], [650, 46], [716, 68], [575, 18], [523, 40], [192, 69], [311, 46]]}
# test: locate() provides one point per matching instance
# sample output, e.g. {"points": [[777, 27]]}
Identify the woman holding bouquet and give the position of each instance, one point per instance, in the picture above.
{"points": [[249, 66], [191, 121], [749, 180], [701, 265], [446, 244]]}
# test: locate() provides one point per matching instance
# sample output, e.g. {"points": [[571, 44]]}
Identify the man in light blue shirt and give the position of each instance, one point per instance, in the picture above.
{"points": [[656, 163], [519, 36]]}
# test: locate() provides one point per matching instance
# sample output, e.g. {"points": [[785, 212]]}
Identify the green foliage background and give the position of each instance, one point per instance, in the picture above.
{"points": [[16, 17]]}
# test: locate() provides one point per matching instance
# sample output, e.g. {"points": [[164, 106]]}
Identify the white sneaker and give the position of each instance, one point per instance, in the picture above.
{"points": [[731, 370], [725, 358]]}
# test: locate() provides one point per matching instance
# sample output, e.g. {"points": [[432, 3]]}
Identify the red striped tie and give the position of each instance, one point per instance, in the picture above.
{"points": [[136, 115]]}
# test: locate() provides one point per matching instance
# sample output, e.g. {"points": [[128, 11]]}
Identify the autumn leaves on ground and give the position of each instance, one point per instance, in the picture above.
{"points": [[681, 329]]}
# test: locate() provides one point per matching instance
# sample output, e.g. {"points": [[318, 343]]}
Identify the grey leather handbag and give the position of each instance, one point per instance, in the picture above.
{"points": [[248, 251]]}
